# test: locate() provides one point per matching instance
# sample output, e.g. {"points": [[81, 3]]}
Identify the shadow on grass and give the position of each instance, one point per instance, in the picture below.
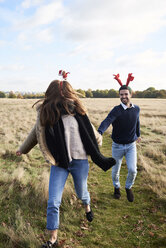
{"points": [[160, 242]]}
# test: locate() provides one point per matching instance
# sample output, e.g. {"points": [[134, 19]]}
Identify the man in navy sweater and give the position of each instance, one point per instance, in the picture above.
{"points": [[126, 131]]}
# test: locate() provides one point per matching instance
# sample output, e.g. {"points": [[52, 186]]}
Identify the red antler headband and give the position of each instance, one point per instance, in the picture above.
{"points": [[130, 78], [63, 74], [117, 78]]}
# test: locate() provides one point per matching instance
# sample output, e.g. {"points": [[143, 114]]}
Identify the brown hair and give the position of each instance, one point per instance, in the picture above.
{"points": [[59, 97]]}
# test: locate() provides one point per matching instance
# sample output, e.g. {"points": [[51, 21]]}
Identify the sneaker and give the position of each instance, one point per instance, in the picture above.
{"points": [[49, 244], [117, 193], [89, 216], [130, 196]]}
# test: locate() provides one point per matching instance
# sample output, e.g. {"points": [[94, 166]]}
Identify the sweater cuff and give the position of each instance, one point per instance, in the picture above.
{"points": [[99, 132]]}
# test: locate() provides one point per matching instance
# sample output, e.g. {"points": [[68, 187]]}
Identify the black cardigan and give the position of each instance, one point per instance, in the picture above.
{"points": [[56, 143]]}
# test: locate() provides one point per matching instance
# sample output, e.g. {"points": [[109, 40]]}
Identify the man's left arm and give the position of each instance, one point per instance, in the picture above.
{"points": [[138, 129]]}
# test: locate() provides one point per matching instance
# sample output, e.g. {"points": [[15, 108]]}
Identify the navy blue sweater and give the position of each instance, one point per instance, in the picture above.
{"points": [[126, 125]]}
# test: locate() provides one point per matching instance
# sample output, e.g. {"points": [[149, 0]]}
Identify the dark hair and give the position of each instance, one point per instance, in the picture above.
{"points": [[60, 97], [125, 87]]}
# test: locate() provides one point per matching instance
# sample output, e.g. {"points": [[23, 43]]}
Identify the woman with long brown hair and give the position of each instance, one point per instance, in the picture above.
{"points": [[66, 138]]}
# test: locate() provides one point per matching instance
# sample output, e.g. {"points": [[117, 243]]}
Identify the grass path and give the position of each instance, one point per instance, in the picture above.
{"points": [[117, 223]]}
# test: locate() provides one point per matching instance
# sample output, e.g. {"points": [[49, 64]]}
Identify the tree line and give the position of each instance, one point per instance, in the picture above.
{"points": [[150, 92]]}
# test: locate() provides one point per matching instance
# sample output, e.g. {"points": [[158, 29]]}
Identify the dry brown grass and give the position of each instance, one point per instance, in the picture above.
{"points": [[24, 184], [18, 117]]}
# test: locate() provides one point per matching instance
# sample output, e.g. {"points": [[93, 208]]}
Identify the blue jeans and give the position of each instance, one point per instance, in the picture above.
{"points": [[130, 153], [79, 169]]}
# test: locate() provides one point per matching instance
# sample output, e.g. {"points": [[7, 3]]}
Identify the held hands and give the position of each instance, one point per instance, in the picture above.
{"points": [[18, 153], [111, 162]]}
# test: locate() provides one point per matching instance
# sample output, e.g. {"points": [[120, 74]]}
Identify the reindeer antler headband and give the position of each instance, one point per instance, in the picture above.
{"points": [[64, 76], [130, 78]]}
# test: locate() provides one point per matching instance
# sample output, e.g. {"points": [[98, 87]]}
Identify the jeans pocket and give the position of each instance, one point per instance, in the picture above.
{"points": [[115, 145]]}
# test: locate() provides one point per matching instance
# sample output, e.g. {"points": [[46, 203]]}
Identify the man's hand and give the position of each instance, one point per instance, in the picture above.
{"points": [[139, 139]]}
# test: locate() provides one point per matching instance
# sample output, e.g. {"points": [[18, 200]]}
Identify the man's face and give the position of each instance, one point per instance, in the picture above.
{"points": [[125, 96]]}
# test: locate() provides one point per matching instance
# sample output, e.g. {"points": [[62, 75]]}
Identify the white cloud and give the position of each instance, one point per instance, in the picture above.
{"points": [[48, 13], [102, 54], [77, 50], [30, 3], [92, 52], [148, 59], [117, 21], [45, 35], [44, 15], [31, 38], [14, 67], [22, 37], [2, 43]]}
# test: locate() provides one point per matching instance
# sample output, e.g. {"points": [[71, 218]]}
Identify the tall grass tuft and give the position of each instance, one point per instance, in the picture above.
{"points": [[19, 233]]}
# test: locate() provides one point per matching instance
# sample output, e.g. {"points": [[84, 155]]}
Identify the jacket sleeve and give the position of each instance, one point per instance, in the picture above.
{"points": [[98, 136], [29, 142]]}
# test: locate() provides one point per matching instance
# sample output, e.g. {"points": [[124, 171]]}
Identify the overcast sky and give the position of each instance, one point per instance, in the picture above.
{"points": [[92, 39]]}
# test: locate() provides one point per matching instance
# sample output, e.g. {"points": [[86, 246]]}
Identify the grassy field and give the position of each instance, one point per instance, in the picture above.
{"points": [[117, 223]]}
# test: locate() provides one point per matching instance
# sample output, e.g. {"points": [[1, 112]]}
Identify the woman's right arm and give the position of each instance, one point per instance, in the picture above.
{"points": [[29, 142], [98, 136]]}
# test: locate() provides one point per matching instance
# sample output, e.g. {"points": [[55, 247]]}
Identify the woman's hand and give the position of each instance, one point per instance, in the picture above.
{"points": [[139, 140], [18, 153]]}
